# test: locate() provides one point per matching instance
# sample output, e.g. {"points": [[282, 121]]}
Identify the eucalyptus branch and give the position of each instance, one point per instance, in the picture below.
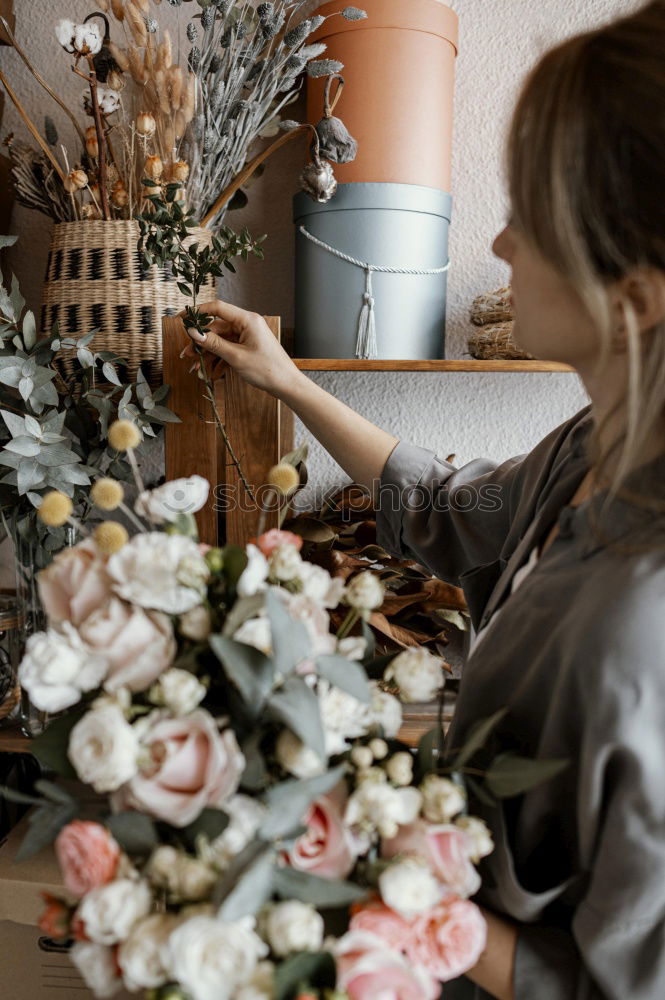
{"points": [[166, 239]]}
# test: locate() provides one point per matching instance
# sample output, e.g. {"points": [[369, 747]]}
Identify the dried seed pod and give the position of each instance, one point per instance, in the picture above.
{"points": [[120, 56], [115, 80], [119, 195], [154, 167], [75, 180], [179, 171], [145, 123], [90, 211], [91, 144]]}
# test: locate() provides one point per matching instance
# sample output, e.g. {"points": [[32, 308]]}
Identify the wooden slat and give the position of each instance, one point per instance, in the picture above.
{"points": [[190, 447], [452, 365], [11, 741], [254, 423]]}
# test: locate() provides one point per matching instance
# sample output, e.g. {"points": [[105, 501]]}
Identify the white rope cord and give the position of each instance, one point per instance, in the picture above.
{"points": [[366, 344]]}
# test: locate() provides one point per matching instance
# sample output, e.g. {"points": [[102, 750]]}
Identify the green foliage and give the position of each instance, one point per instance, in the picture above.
{"points": [[53, 427]]}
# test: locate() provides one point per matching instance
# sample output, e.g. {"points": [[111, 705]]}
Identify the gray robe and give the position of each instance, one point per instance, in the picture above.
{"points": [[578, 654]]}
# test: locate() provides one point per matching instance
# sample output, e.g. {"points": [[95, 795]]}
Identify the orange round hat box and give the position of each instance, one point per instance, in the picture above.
{"points": [[399, 71]]}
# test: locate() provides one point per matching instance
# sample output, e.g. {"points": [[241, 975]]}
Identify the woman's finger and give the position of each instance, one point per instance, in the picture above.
{"points": [[210, 341], [222, 310]]}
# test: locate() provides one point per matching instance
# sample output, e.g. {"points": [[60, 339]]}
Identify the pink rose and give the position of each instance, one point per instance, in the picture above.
{"points": [[449, 939], [137, 644], [378, 919], [446, 848], [88, 856], [368, 970], [269, 540], [327, 849], [192, 765], [74, 584]]}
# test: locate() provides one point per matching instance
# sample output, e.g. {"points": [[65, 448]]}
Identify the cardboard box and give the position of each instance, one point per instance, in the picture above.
{"points": [[33, 966]]}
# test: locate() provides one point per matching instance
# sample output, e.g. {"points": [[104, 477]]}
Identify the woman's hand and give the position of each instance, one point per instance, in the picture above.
{"points": [[243, 341]]}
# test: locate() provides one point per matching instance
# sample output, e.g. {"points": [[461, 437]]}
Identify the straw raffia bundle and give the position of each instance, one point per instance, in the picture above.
{"points": [[493, 341]]}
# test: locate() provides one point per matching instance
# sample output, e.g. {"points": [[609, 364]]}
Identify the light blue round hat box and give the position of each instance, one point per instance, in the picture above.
{"points": [[398, 227]]}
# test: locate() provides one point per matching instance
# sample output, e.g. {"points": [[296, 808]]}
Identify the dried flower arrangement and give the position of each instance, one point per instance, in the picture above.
{"points": [[193, 119]]}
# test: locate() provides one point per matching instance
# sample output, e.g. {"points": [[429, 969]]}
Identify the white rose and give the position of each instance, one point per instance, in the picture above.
{"points": [[386, 710], [353, 647], [64, 32], [109, 100], [180, 496], [57, 667], [179, 691], [400, 768], [409, 887], [96, 963], [163, 572], [104, 748], [285, 562], [186, 879], [293, 926], [253, 577], [364, 592], [256, 632], [315, 619], [212, 959], [246, 816], [318, 584], [343, 716], [140, 956], [109, 912], [442, 799], [417, 673], [479, 834], [379, 806], [297, 758], [88, 39], [261, 985]]}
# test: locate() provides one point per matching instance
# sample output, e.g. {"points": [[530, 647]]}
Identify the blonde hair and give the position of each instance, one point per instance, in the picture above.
{"points": [[586, 178]]}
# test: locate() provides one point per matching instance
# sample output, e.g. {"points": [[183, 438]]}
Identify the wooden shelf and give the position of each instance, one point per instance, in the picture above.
{"points": [[452, 365]]}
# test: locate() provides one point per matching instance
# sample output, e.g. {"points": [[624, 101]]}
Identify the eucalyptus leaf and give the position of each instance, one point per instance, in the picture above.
{"points": [[135, 832], [29, 330], [304, 969], [50, 747], [290, 639], [297, 706], [323, 893], [478, 736], [511, 775], [251, 671], [26, 446], [45, 823], [289, 801], [345, 674], [250, 890]]}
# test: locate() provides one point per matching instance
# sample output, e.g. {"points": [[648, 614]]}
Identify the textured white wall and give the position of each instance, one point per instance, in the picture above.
{"points": [[498, 415]]}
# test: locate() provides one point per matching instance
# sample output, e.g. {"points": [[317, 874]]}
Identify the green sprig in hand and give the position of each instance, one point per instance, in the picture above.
{"points": [[166, 239]]}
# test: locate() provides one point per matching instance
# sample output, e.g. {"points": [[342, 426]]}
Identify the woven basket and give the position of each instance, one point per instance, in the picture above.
{"points": [[494, 307], [495, 343], [94, 280]]}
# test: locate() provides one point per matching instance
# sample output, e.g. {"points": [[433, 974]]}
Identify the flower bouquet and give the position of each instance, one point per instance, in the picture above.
{"points": [[259, 830]]}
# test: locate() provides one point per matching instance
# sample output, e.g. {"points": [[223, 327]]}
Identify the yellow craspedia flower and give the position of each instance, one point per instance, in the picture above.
{"points": [[283, 477], [107, 493], [55, 509], [110, 537], [124, 435]]}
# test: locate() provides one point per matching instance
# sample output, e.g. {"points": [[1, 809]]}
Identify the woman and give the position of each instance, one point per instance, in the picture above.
{"points": [[574, 892]]}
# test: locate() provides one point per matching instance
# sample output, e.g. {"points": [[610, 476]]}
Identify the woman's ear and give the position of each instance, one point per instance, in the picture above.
{"points": [[644, 291]]}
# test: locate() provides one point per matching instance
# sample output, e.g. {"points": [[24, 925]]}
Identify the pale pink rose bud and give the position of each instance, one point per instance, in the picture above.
{"points": [[88, 856]]}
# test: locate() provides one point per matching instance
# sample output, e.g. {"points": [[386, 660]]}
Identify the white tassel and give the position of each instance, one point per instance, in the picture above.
{"points": [[366, 345]]}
